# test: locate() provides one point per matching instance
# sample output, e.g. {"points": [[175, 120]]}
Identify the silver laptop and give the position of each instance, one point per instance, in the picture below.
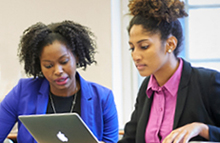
{"points": [[58, 128]]}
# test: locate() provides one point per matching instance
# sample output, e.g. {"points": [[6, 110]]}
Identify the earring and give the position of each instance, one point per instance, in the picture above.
{"points": [[169, 51]]}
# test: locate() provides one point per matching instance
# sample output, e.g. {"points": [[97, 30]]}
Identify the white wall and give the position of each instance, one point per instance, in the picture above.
{"points": [[17, 15], [124, 73]]}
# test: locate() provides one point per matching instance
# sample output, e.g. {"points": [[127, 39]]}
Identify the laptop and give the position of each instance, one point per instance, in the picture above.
{"points": [[58, 128]]}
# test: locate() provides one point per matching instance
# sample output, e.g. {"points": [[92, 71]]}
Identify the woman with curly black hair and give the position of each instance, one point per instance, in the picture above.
{"points": [[176, 102], [51, 54]]}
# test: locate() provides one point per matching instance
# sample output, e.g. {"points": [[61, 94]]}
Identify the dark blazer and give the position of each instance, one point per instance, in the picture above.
{"points": [[198, 100]]}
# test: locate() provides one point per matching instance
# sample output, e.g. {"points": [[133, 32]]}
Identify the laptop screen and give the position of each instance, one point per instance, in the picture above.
{"points": [[56, 128]]}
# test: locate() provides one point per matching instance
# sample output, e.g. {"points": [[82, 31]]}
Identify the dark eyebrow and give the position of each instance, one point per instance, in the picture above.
{"points": [[142, 40], [138, 41], [59, 58]]}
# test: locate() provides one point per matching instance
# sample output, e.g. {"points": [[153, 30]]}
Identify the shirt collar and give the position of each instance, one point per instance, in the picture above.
{"points": [[171, 85]]}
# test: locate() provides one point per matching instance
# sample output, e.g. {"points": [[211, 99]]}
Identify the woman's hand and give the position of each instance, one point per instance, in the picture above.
{"points": [[185, 133]]}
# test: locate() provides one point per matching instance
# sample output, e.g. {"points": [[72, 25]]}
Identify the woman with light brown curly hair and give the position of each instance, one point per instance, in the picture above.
{"points": [[176, 102]]}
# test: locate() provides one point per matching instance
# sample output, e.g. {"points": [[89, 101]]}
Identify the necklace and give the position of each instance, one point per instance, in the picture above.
{"points": [[73, 104]]}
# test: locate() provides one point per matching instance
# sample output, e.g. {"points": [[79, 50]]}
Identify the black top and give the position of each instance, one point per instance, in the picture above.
{"points": [[64, 104]]}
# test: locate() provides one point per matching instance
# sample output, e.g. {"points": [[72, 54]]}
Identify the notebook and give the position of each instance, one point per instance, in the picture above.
{"points": [[58, 128]]}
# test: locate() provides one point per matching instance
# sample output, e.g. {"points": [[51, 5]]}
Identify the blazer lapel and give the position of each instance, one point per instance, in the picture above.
{"points": [[42, 98], [86, 102], [144, 111], [144, 120], [182, 92]]}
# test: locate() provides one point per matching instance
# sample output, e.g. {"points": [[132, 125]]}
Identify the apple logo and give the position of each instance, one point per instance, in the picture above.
{"points": [[62, 137]]}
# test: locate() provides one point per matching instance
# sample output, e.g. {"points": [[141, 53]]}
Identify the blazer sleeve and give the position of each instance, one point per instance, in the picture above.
{"points": [[132, 127], [8, 111], [214, 97], [110, 131]]}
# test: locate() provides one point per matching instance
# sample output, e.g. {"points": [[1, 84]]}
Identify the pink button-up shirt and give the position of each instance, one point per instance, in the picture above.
{"points": [[163, 107]]}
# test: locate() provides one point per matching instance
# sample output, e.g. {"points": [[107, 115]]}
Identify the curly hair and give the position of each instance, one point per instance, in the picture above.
{"points": [[79, 39], [159, 16]]}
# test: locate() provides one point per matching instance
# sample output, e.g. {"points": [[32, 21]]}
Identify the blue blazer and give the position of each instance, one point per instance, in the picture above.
{"points": [[30, 96], [198, 100]]}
